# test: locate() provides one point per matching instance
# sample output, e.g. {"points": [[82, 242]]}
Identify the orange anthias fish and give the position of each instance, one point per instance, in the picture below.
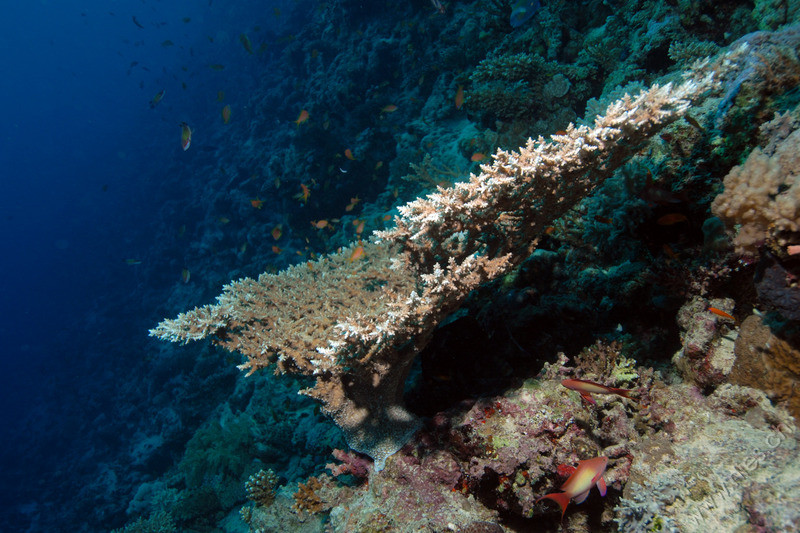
{"points": [[302, 117], [186, 136], [587, 388], [277, 231], [391, 108], [353, 202], [587, 474], [348, 153], [477, 156], [356, 254], [305, 194], [257, 202], [226, 114], [459, 97]]}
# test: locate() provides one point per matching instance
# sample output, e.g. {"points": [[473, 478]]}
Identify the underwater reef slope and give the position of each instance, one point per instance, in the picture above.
{"points": [[356, 329], [689, 451]]}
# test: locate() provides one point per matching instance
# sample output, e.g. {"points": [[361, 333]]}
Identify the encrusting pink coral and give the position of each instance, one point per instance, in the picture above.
{"points": [[356, 326]]}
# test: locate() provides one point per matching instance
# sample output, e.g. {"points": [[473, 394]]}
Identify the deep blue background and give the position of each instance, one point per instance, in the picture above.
{"points": [[84, 166]]}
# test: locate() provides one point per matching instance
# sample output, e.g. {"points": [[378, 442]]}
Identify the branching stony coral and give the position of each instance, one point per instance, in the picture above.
{"points": [[356, 326], [261, 487]]}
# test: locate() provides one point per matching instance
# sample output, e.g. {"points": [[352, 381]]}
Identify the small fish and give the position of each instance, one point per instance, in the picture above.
{"points": [[185, 275], [378, 165], [276, 250], [257, 202], [216, 66], [522, 11], [277, 182], [319, 224], [132, 261], [137, 22], [302, 117], [186, 136], [186, 20], [226, 114], [223, 220], [693, 122], [459, 100], [587, 474], [720, 312], [359, 224], [477, 156], [157, 98], [669, 252], [245, 40], [167, 43], [353, 202], [587, 388], [277, 231], [672, 218], [220, 96], [348, 153], [304, 194], [357, 253], [391, 108]]}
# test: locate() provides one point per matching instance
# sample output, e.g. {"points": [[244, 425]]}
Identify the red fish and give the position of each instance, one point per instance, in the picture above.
{"points": [[587, 474], [672, 218], [720, 312], [587, 388]]}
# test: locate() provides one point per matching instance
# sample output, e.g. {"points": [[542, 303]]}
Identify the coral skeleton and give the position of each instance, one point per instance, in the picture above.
{"points": [[356, 325]]}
